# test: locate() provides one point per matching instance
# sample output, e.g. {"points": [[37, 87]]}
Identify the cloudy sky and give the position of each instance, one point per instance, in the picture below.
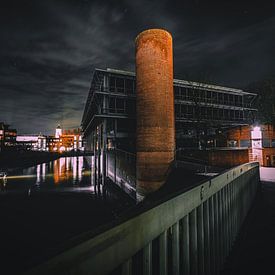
{"points": [[49, 49]]}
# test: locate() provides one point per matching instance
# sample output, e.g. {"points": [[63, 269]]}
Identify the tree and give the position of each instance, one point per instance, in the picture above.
{"points": [[266, 99]]}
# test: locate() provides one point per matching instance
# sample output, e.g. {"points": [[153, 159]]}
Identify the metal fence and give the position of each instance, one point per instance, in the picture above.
{"points": [[190, 233]]}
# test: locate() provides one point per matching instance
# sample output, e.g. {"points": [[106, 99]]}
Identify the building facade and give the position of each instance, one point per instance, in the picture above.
{"points": [[7, 137], [65, 140], [259, 140], [32, 143], [62, 141], [202, 113]]}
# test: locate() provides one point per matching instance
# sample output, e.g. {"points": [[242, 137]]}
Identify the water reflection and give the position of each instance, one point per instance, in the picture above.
{"points": [[3, 184], [62, 170], [61, 173], [71, 177]]}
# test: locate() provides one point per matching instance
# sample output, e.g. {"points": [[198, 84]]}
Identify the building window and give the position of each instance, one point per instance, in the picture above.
{"points": [[129, 86], [266, 143], [232, 143], [120, 104], [245, 143]]}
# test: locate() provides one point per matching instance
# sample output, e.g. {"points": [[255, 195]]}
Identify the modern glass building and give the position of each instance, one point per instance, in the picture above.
{"points": [[202, 111]]}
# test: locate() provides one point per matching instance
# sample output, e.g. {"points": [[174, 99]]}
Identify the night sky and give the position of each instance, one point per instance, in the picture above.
{"points": [[48, 50]]}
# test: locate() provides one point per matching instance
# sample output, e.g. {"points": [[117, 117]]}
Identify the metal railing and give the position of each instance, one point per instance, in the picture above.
{"points": [[190, 233]]}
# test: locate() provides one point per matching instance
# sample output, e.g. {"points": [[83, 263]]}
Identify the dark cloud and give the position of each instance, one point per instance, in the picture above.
{"points": [[49, 49]]}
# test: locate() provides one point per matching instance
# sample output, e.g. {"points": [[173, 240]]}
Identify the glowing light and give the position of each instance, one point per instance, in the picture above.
{"points": [[256, 129], [256, 133]]}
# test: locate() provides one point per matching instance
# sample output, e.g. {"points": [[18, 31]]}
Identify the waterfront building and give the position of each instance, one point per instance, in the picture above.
{"points": [[32, 142], [65, 140], [203, 114], [7, 137]]}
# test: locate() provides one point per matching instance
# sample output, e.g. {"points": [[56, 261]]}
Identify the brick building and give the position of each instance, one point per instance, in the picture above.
{"points": [[65, 140], [7, 136], [259, 140]]}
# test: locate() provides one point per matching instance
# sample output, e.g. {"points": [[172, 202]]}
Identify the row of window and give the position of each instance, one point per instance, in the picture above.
{"points": [[128, 85], [207, 112], [126, 106], [122, 85], [266, 143], [198, 95]]}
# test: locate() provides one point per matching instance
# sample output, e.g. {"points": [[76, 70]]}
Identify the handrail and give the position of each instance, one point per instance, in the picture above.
{"points": [[203, 221]]}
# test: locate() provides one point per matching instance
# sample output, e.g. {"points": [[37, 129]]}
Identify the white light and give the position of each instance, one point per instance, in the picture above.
{"points": [[256, 133], [256, 129]]}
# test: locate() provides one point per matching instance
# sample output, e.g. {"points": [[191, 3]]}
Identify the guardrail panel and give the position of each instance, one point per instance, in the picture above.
{"points": [[112, 248]]}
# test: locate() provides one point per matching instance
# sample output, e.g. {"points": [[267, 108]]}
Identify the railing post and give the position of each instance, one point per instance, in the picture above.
{"points": [[147, 259], [127, 267], [235, 207], [200, 222], [175, 249], [222, 229], [212, 235], [193, 243], [163, 253], [206, 228], [185, 245], [217, 233], [229, 217]]}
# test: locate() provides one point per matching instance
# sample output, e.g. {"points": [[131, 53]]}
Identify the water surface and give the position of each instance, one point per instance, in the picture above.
{"points": [[45, 206]]}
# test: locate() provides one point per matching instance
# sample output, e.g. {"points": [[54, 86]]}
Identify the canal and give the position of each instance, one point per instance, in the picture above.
{"points": [[42, 208]]}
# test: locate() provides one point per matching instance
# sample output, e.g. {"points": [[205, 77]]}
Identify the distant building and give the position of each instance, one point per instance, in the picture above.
{"points": [[65, 140], [31, 142], [259, 140], [58, 131], [7, 137], [27, 142]]}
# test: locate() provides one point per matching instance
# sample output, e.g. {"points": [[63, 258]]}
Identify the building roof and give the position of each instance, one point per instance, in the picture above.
{"points": [[192, 84]]}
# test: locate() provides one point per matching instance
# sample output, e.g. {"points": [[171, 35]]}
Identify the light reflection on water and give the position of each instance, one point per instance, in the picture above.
{"points": [[62, 174]]}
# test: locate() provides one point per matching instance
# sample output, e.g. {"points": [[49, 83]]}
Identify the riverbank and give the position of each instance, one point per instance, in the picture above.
{"points": [[23, 159]]}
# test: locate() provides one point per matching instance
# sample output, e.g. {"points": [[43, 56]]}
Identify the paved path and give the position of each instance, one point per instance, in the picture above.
{"points": [[254, 250], [267, 174]]}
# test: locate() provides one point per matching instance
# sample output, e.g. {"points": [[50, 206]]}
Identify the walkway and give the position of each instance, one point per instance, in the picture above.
{"points": [[254, 250]]}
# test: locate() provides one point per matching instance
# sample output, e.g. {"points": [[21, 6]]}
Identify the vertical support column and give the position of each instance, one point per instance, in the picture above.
{"points": [[217, 233], [104, 132], [127, 267], [212, 235], [235, 209], [200, 223], [185, 245], [227, 224], [193, 243], [99, 140], [222, 225], [207, 244], [163, 253], [95, 158], [104, 152], [147, 259], [115, 149], [226, 220], [231, 219], [175, 249]]}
